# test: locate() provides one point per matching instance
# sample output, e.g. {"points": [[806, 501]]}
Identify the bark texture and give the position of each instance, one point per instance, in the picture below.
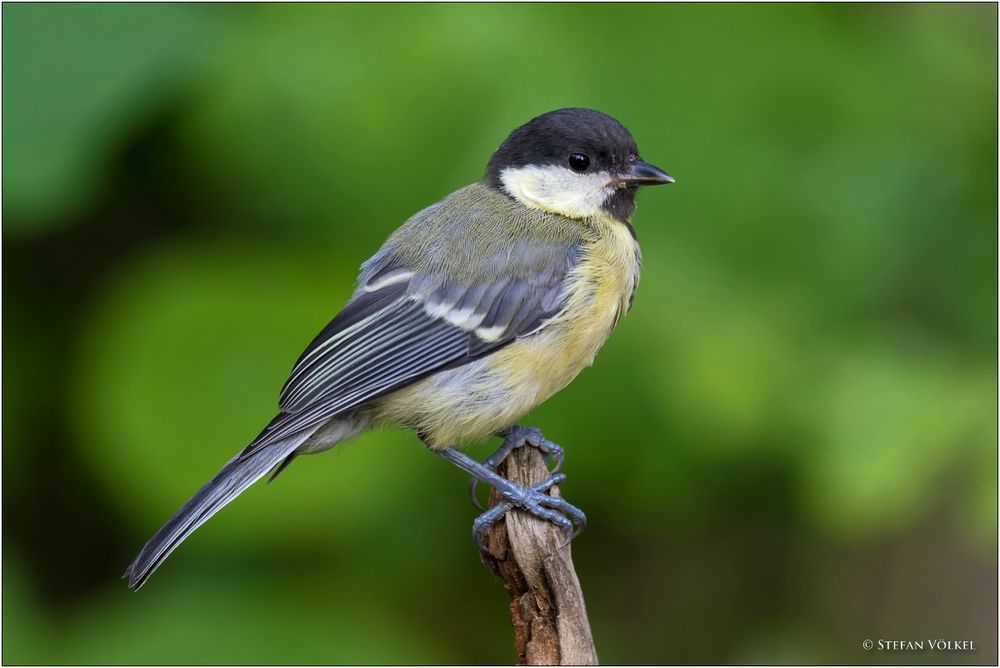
{"points": [[535, 563]]}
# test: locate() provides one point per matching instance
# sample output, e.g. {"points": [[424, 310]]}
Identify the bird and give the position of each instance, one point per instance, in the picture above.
{"points": [[474, 311]]}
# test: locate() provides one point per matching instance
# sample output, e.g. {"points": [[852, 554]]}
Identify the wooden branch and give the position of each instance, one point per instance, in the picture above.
{"points": [[547, 609]]}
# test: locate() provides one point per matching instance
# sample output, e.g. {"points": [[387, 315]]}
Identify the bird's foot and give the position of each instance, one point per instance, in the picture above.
{"points": [[536, 501], [515, 437]]}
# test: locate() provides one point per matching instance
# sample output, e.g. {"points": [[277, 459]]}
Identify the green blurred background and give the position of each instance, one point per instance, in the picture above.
{"points": [[789, 446]]}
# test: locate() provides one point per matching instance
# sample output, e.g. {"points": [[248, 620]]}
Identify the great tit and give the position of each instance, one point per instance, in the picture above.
{"points": [[476, 310]]}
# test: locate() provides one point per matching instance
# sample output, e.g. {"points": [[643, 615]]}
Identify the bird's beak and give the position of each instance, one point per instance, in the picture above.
{"points": [[644, 174]]}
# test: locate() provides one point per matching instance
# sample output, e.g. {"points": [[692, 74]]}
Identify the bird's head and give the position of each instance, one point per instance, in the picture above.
{"points": [[573, 162]]}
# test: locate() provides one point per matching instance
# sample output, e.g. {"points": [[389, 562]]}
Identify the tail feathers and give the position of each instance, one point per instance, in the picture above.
{"points": [[227, 484], [282, 466]]}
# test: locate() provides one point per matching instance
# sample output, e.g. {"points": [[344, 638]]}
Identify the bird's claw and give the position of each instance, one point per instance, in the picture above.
{"points": [[473, 483], [515, 437], [536, 501]]}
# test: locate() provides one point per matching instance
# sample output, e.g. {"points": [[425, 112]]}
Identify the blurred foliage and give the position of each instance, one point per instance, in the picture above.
{"points": [[789, 445]]}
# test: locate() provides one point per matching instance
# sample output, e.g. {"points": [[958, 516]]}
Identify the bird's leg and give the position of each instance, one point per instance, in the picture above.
{"points": [[516, 436], [534, 500]]}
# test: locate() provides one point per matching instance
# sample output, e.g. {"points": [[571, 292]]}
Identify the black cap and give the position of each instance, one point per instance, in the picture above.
{"points": [[584, 140]]}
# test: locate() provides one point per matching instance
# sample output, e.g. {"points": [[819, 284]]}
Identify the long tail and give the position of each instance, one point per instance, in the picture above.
{"points": [[227, 484]]}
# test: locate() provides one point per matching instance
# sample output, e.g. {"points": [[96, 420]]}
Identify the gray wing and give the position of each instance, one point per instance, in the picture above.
{"points": [[402, 325]]}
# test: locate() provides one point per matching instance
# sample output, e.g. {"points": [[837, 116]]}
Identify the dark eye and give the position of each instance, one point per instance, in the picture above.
{"points": [[578, 162]]}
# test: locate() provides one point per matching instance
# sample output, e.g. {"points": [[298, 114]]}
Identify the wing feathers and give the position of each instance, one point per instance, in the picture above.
{"points": [[384, 334], [389, 375], [350, 319], [403, 324]]}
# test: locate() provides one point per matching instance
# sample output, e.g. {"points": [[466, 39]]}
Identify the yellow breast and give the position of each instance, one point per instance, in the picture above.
{"points": [[601, 287], [472, 401]]}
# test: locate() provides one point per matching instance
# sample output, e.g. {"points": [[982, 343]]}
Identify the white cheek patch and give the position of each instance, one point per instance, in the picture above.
{"points": [[558, 189]]}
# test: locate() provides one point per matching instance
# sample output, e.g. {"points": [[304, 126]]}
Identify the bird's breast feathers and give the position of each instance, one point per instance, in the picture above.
{"points": [[471, 401], [599, 291]]}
